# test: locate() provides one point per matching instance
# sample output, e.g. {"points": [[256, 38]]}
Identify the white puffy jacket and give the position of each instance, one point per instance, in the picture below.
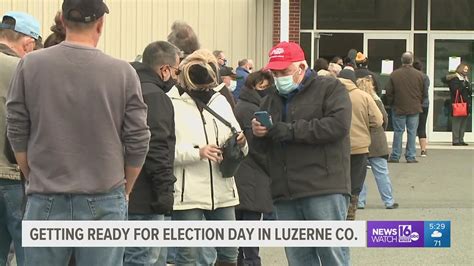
{"points": [[199, 182]]}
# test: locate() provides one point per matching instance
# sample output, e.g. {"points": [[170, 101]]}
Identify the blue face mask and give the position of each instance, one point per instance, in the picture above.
{"points": [[285, 84]]}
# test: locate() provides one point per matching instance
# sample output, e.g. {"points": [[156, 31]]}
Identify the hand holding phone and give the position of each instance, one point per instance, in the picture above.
{"points": [[264, 119]]}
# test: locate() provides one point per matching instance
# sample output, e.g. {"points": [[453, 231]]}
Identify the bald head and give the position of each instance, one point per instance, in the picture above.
{"points": [[407, 58]]}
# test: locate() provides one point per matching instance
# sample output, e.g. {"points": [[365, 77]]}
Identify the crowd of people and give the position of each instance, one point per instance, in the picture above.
{"points": [[91, 137]]}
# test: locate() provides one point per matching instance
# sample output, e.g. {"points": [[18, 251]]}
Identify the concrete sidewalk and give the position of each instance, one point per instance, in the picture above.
{"points": [[439, 187]]}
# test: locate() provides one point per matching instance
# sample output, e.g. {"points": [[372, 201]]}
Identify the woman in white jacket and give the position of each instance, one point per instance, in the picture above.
{"points": [[200, 188]]}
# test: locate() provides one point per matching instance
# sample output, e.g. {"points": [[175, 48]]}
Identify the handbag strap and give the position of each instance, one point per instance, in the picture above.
{"points": [[458, 95], [212, 112]]}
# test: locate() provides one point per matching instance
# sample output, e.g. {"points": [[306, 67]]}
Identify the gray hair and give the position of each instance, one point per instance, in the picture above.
{"points": [[243, 62], [160, 53], [407, 58]]}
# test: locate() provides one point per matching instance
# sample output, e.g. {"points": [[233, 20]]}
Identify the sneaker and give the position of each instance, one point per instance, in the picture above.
{"points": [[423, 154], [412, 161], [390, 160], [393, 206], [360, 207], [457, 144], [464, 144]]}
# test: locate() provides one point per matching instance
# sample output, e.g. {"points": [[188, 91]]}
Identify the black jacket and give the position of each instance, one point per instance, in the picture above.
{"points": [[464, 87], [154, 188], [316, 159], [253, 183]]}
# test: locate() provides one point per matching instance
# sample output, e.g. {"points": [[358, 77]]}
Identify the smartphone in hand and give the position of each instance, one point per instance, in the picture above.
{"points": [[264, 118]]}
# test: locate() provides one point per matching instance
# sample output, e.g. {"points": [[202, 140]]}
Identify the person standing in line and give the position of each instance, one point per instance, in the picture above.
{"points": [[362, 70], [18, 33], [421, 132], [253, 183], [221, 59], [459, 84], [183, 36], [59, 33], [244, 68], [307, 149], [201, 189], [321, 66], [89, 118], [227, 76], [405, 94], [338, 60], [378, 152], [365, 116], [152, 195]]}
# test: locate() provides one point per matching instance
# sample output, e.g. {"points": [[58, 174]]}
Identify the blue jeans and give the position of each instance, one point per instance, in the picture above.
{"points": [[11, 214], [188, 256], [382, 178], [399, 122], [105, 206], [206, 256], [328, 207], [146, 256], [167, 254]]}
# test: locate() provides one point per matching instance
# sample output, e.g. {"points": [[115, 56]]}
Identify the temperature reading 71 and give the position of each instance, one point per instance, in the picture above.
{"points": [[437, 243]]}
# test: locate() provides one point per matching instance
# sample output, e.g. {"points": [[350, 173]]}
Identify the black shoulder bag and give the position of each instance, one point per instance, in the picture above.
{"points": [[231, 152]]}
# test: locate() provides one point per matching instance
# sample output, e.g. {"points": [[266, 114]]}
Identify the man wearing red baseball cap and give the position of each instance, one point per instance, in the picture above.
{"points": [[307, 148]]}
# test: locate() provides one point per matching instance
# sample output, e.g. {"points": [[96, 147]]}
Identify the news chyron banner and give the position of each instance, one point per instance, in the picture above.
{"points": [[194, 233], [372, 234]]}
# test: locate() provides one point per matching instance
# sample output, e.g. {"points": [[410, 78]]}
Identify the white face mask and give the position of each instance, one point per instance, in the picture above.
{"points": [[233, 85]]}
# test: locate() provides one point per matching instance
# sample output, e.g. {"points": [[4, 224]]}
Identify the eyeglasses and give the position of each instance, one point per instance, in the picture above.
{"points": [[177, 71]]}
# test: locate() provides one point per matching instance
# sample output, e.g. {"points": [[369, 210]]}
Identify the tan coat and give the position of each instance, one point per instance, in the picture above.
{"points": [[365, 115]]}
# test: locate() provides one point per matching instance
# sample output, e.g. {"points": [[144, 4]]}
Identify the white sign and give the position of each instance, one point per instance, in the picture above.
{"points": [[194, 233], [387, 67], [454, 62]]}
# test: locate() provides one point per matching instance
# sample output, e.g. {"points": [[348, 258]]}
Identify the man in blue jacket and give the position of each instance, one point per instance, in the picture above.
{"points": [[243, 70]]}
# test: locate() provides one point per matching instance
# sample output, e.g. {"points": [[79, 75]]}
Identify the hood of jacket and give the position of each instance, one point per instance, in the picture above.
{"points": [[350, 86], [451, 76]]}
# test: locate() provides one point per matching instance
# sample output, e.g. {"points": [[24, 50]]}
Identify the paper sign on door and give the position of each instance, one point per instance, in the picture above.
{"points": [[454, 62], [387, 67]]}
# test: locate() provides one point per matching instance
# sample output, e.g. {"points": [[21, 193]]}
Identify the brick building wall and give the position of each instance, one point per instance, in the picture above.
{"points": [[294, 21]]}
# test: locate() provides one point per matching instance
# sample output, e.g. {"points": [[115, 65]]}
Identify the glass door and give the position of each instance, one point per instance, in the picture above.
{"points": [[446, 50], [384, 52]]}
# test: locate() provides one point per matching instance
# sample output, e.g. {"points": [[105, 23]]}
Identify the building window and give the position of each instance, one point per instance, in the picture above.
{"points": [[307, 14], [364, 14], [338, 44], [305, 42], [421, 49], [452, 15], [421, 14], [444, 49]]}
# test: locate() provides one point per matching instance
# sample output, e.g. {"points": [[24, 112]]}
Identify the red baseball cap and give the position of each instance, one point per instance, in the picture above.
{"points": [[283, 54]]}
